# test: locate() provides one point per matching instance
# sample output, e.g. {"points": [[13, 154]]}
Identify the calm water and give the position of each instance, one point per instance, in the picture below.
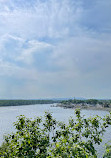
{"points": [[8, 116]]}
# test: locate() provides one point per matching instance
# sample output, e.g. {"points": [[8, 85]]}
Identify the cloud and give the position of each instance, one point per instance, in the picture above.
{"points": [[54, 19], [55, 48], [11, 70], [79, 64], [95, 15], [48, 18], [21, 50], [33, 48], [85, 53]]}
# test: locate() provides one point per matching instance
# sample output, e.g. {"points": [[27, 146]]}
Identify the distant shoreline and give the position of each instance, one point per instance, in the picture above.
{"points": [[90, 104], [6, 103], [83, 107]]}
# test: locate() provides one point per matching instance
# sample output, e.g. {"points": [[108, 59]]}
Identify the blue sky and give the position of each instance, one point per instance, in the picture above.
{"points": [[55, 48]]}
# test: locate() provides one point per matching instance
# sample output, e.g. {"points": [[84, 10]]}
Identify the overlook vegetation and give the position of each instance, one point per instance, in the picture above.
{"points": [[49, 138]]}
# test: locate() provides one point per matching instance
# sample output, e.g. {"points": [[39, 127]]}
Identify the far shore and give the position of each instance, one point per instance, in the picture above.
{"points": [[74, 106]]}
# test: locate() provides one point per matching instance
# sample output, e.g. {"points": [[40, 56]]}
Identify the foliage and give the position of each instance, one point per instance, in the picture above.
{"points": [[48, 138], [107, 153]]}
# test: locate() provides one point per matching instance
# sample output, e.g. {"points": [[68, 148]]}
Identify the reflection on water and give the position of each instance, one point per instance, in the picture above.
{"points": [[8, 116]]}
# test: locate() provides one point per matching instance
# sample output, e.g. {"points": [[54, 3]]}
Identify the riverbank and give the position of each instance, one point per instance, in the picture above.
{"points": [[5, 103], [89, 107]]}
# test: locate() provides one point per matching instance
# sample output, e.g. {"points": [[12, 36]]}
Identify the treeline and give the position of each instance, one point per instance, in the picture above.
{"points": [[105, 103], [24, 102], [94, 102]]}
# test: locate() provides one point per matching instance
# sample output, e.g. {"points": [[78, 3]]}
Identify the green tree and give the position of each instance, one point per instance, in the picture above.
{"points": [[48, 138], [107, 153]]}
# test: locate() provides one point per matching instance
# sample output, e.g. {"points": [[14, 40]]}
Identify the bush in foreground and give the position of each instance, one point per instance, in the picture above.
{"points": [[52, 139], [107, 153]]}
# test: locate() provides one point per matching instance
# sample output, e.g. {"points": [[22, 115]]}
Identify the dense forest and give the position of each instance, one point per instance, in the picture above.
{"points": [[24, 102]]}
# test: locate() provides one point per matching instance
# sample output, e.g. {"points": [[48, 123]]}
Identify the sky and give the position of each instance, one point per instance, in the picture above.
{"points": [[55, 49]]}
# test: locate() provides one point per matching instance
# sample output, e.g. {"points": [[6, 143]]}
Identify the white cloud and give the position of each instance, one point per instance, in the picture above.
{"points": [[55, 47], [49, 18], [83, 64], [19, 49], [11, 70], [33, 47], [84, 53]]}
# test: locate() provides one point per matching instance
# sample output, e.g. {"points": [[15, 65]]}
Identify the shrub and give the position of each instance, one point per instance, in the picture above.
{"points": [[107, 153], [49, 138]]}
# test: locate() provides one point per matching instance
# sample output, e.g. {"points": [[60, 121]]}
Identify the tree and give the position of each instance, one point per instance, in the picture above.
{"points": [[107, 153], [49, 138]]}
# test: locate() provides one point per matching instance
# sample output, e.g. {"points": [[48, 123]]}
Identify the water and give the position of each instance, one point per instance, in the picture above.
{"points": [[8, 116]]}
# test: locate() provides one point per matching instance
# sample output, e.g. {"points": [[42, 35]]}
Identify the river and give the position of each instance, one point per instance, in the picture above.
{"points": [[8, 116]]}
